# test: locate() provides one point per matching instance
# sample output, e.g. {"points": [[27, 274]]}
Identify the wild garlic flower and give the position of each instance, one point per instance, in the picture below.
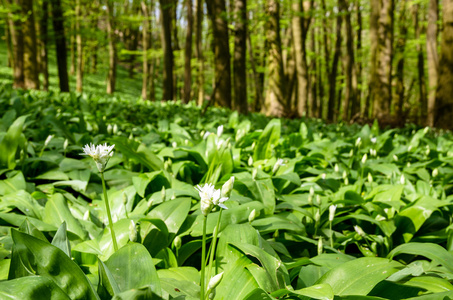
{"points": [[210, 197], [277, 165], [100, 153], [332, 210], [219, 130]]}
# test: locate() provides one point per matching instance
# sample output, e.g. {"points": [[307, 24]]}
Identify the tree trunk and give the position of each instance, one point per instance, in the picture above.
{"points": [[332, 111], [240, 72], [165, 9], [17, 42], [188, 54], [351, 80], [381, 88], [444, 99], [275, 96], [73, 48], [60, 42], [43, 37], [400, 52], [258, 87], [31, 69], [222, 83], [356, 109], [313, 80], [145, 72], [422, 107], [300, 57], [432, 59], [111, 79], [79, 68], [199, 52]]}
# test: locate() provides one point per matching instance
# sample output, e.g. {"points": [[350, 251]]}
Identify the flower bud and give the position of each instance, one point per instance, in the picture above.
{"points": [[364, 158], [132, 232], [109, 129], [250, 161], [48, 139], [402, 179], [317, 216], [254, 173], [336, 168], [252, 215], [435, 172], [219, 130], [177, 242], [318, 200], [227, 187], [65, 144], [115, 129], [359, 231], [124, 198], [277, 165], [214, 282], [358, 142], [320, 246], [332, 210], [395, 158], [163, 193]]}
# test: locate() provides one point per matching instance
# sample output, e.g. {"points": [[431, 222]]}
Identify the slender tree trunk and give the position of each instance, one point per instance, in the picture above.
{"points": [[188, 54], [422, 107], [43, 44], [145, 72], [165, 9], [152, 89], [258, 87], [199, 52], [312, 94], [8, 40], [444, 99], [222, 87], [432, 59], [356, 109], [351, 80], [111, 79], [73, 48], [400, 52], [275, 95], [79, 68], [17, 42], [240, 68], [332, 111], [381, 88], [60, 42], [300, 57], [31, 69]]}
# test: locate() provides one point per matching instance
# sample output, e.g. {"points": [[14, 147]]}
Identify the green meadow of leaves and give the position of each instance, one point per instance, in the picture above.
{"points": [[390, 236]]}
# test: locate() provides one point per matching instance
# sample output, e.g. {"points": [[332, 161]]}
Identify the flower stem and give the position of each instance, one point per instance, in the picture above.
{"points": [[203, 260], [213, 244], [109, 214], [331, 234]]}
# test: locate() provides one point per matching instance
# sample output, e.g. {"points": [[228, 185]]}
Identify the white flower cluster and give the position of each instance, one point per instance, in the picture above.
{"points": [[210, 196], [100, 153]]}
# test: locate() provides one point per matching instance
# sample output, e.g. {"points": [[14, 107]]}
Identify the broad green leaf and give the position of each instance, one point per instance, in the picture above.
{"points": [[57, 212], [61, 240], [52, 263], [17, 220], [172, 212], [107, 286], [268, 140], [132, 268], [434, 252], [31, 287], [24, 202], [180, 281], [258, 294], [13, 184], [10, 142], [359, 276]]}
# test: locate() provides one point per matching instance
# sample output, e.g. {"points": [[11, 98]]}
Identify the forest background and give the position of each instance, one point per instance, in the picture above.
{"points": [[338, 60]]}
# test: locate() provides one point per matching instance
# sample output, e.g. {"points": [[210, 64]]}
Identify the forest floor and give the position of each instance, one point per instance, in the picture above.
{"points": [[93, 83]]}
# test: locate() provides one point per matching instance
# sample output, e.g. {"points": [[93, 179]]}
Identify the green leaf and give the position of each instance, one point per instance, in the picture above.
{"points": [[57, 212], [434, 252], [267, 141], [132, 268], [13, 184], [172, 212], [10, 142], [107, 286], [50, 262], [258, 294], [31, 287], [61, 240], [359, 276]]}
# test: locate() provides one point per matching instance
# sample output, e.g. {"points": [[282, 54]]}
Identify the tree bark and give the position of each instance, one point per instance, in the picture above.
{"points": [[222, 83], [422, 107], [432, 59], [199, 52], [188, 54], [43, 39], [257, 82], [332, 111], [240, 73], [145, 71], [111, 79], [444, 99], [381, 88], [351, 79], [300, 57], [275, 94], [60, 42], [165, 9], [31, 69], [79, 67], [17, 42], [400, 52], [356, 109]]}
